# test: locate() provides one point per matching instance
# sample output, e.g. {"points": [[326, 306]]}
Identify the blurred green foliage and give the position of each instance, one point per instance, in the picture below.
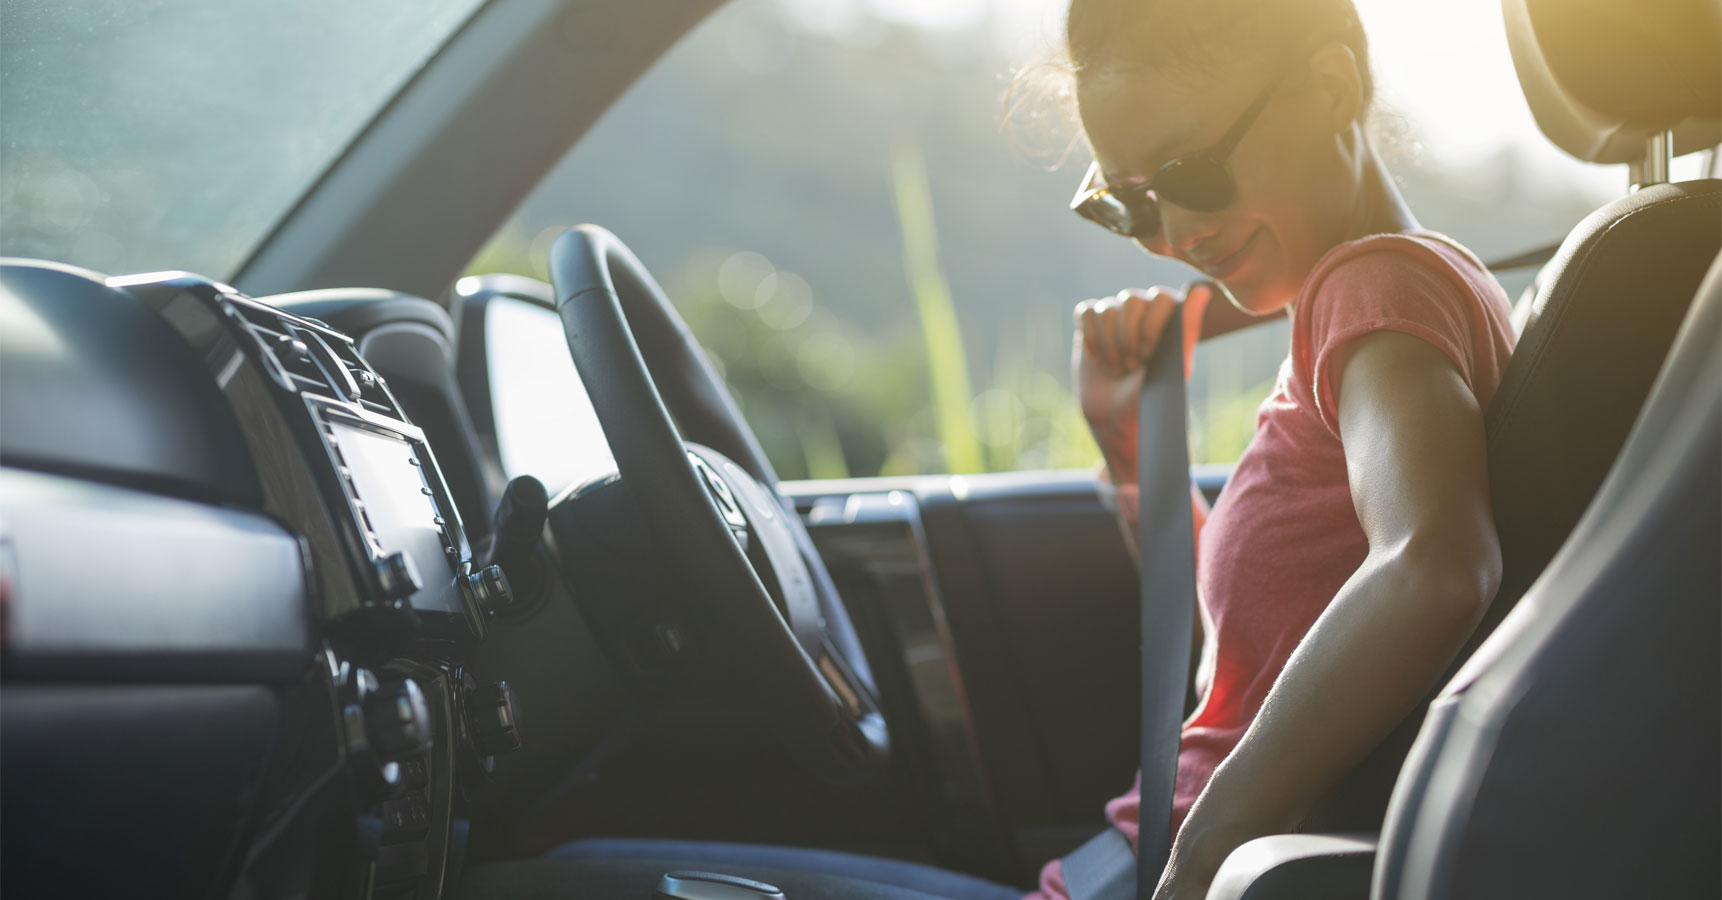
{"points": [[828, 400], [882, 276], [947, 362]]}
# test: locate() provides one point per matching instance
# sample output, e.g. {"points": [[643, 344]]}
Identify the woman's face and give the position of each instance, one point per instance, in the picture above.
{"points": [[1296, 178]]}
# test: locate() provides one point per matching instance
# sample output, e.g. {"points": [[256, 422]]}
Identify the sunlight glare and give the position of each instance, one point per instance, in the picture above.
{"points": [[935, 14], [1444, 69]]}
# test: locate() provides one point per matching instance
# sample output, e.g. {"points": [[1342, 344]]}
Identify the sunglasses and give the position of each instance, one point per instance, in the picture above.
{"points": [[1198, 181]]}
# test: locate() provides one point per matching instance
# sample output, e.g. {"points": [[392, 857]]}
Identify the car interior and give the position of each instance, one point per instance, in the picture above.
{"points": [[279, 619]]}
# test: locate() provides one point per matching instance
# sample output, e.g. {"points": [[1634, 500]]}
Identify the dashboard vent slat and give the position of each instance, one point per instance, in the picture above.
{"points": [[316, 360]]}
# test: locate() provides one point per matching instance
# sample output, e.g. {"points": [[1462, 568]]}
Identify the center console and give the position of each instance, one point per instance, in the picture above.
{"points": [[400, 602]]}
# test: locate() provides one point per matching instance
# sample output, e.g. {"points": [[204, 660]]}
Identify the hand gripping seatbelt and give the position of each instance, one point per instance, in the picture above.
{"points": [[1103, 868]]}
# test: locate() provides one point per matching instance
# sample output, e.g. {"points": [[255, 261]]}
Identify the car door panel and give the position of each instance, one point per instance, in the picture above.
{"points": [[1030, 577]]}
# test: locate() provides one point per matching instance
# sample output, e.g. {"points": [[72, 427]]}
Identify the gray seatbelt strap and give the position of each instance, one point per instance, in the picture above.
{"points": [[1167, 540], [1166, 543], [1102, 869]]}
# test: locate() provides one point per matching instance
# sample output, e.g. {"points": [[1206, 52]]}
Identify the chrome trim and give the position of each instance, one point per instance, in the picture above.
{"points": [[1653, 167]]}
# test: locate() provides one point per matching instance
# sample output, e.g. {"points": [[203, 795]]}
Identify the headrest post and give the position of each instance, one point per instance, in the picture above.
{"points": [[1653, 168]]}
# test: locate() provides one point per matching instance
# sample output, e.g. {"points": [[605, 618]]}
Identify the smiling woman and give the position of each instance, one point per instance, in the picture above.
{"points": [[176, 134], [1368, 455]]}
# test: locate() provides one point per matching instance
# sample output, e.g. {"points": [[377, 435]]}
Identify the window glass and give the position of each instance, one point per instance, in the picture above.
{"points": [[143, 135], [545, 425], [885, 272]]}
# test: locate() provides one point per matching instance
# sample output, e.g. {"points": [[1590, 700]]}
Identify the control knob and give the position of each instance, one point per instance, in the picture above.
{"points": [[397, 578], [398, 720], [490, 586], [378, 776]]}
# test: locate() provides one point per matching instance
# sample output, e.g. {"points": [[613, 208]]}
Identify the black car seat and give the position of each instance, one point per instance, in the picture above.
{"points": [[1610, 81], [1579, 753]]}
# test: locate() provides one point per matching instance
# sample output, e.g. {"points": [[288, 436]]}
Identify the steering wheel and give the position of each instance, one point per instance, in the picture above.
{"points": [[755, 601]]}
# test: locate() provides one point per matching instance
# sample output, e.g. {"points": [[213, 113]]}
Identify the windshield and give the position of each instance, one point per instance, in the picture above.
{"points": [[174, 134]]}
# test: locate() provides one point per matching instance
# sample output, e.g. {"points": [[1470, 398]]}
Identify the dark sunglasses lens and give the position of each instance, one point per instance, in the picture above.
{"points": [[1201, 184], [1106, 211], [1144, 219]]}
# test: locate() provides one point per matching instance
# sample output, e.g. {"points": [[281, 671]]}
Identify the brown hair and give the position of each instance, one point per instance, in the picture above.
{"points": [[1108, 35], [1101, 34]]}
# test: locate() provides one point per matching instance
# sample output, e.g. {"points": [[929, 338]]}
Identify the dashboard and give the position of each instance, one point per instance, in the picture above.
{"points": [[272, 614], [313, 647]]}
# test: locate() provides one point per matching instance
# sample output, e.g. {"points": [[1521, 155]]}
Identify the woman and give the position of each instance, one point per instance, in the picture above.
{"points": [[1353, 549]]}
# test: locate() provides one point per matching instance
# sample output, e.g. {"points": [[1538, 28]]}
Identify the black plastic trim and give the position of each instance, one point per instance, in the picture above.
{"points": [[110, 583], [96, 384]]}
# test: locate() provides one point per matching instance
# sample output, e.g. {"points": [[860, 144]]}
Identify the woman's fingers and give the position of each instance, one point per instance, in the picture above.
{"points": [[1100, 331], [1123, 330], [1152, 308], [1087, 331], [1107, 313], [1120, 327], [1161, 306], [1135, 315]]}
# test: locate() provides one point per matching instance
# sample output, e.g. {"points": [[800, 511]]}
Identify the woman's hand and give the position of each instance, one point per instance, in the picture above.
{"points": [[1114, 338], [1196, 856], [1184, 881]]}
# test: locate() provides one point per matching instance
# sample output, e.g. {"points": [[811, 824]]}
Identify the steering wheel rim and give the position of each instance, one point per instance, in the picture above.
{"points": [[639, 363]]}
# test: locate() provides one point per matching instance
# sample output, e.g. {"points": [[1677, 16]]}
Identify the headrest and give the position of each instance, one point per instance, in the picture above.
{"points": [[1602, 76]]}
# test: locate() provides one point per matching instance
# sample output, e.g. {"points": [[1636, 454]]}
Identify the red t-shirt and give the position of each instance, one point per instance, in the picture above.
{"points": [[1284, 536]]}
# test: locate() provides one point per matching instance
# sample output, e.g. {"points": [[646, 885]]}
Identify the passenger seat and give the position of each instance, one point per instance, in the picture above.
{"points": [[1610, 81]]}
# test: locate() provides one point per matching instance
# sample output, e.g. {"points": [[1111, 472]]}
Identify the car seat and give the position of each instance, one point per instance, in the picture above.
{"points": [[1579, 752], [1610, 81]]}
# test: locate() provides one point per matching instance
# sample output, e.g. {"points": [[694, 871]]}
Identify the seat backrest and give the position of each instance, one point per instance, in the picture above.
{"points": [[1599, 331], [1597, 335], [1600, 327], [1578, 754]]}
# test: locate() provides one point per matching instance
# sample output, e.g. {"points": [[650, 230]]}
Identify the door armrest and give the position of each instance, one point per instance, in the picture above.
{"points": [[1298, 867]]}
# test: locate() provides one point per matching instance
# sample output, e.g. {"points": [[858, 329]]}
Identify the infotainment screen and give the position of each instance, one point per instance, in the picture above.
{"points": [[397, 507]]}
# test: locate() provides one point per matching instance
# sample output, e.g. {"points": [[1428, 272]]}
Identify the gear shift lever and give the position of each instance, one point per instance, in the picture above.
{"points": [[682, 885]]}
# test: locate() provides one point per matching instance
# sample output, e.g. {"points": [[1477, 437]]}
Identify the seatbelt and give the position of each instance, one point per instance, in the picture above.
{"points": [[1166, 543], [1524, 260], [1167, 539], [1102, 869]]}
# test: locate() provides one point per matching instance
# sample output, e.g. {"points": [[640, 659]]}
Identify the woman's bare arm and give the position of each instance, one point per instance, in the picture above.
{"points": [[1413, 435]]}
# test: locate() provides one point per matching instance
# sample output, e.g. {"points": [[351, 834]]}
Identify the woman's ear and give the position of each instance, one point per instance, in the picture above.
{"points": [[1335, 76]]}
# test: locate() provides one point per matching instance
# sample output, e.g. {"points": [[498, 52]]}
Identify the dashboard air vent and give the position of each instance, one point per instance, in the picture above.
{"points": [[373, 394], [317, 361]]}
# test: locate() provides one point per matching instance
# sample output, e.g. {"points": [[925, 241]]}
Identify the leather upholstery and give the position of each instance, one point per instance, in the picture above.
{"points": [[1297, 867], [1602, 76], [1597, 335], [1576, 754]]}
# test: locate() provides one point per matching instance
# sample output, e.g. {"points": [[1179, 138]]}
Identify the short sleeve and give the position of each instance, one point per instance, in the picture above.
{"points": [[1396, 285]]}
